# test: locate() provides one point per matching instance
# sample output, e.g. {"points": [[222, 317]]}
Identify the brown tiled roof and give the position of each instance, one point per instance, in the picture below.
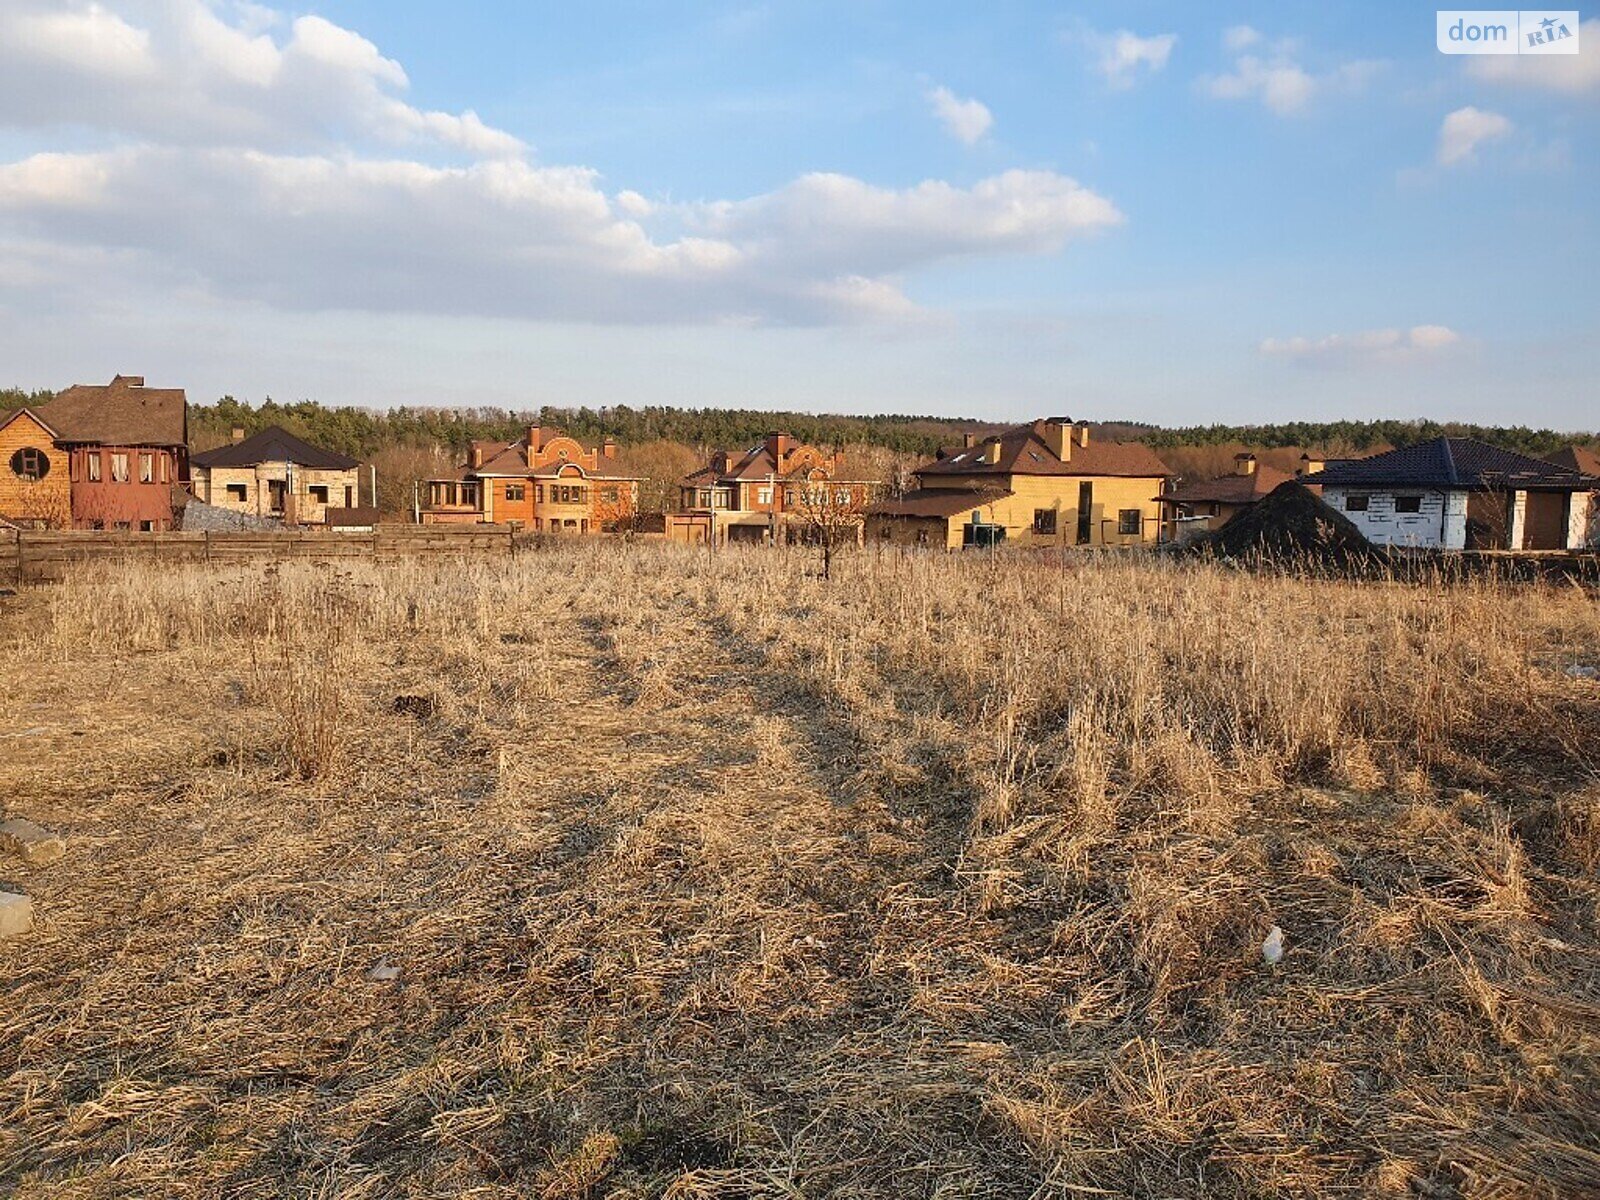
{"points": [[1230, 489], [938, 502], [17, 412], [1023, 451], [1576, 458], [121, 413]]}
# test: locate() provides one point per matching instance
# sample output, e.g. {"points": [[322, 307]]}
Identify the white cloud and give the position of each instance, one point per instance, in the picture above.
{"points": [[1120, 56], [1273, 75], [1372, 345], [255, 159], [965, 120], [1240, 37], [1572, 74], [1464, 130]]}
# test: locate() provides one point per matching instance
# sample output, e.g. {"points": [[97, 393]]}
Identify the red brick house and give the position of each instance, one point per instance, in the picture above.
{"points": [[126, 446], [545, 482], [767, 493]]}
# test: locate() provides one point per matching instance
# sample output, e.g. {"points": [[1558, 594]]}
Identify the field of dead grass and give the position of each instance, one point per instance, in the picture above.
{"points": [[621, 871]]}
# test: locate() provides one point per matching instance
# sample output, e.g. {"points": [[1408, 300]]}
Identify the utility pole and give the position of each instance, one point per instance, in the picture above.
{"points": [[372, 475]]}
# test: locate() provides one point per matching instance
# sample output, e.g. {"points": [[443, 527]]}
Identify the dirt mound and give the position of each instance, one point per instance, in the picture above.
{"points": [[1289, 523]]}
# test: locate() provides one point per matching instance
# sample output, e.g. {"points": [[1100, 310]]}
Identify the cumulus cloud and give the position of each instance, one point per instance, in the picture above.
{"points": [[250, 157], [965, 120], [1272, 74], [1120, 57], [1464, 130], [1372, 345], [1572, 74]]}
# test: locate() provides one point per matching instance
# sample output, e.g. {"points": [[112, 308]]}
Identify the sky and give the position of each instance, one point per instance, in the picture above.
{"points": [[1162, 212]]}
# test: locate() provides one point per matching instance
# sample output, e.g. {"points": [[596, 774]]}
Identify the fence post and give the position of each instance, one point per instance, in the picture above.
{"points": [[208, 544], [20, 578]]}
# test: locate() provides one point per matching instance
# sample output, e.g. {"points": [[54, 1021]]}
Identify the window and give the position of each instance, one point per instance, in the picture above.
{"points": [[93, 459], [319, 492], [1408, 504], [30, 463], [147, 468], [119, 469], [842, 496], [764, 495], [239, 492], [122, 525], [1355, 503], [538, 493], [162, 459], [349, 497], [516, 492], [147, 526], [277, 492], [564, 494], [1044, 522], [1085, 512], [1129, 522]]}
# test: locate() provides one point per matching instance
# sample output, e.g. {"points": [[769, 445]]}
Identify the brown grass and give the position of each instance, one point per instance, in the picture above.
{"points": [[705, 878]]}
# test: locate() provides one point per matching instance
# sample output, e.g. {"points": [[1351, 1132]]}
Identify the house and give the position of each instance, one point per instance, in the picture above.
{"points": [[126, 445], [1585, 462], [779, 490], [545, 482], [1045, 483], [35, 488], [1455, 493], [1208, 504], [277, 475]]}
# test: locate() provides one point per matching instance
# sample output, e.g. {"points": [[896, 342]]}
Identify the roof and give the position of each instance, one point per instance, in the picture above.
{"points": [[121, 413], [32, 415], [273, 445], [1576, 458], [1452, 463], [1023, 451], [937, 502], [1230, 489]]}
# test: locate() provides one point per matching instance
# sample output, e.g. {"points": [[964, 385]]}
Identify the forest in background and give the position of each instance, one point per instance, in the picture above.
{"points": [[660, 444]]}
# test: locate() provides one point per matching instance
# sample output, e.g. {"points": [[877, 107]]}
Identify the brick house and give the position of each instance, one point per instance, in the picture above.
{"points": [[35, 488], [1045, 483], [1208, 504], [275, 474], [126, 446], [772, 491], [545, 482]]}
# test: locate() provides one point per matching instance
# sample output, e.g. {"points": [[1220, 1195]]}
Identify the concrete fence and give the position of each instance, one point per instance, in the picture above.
{"points": [[36, 556]]}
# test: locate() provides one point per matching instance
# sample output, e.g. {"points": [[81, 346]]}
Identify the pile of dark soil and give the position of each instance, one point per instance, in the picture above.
{"points": [[1290, 524]]}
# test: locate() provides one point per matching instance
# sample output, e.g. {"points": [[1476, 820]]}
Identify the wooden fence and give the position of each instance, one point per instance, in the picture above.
{"points": [[35, 556]]}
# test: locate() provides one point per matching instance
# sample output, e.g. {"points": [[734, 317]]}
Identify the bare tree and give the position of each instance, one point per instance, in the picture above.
{"points": [[827, 513]]}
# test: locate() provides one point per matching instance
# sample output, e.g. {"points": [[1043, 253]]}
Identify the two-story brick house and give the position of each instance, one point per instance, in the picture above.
{"points": [[770, 492], [545, 482], [126, 446]]}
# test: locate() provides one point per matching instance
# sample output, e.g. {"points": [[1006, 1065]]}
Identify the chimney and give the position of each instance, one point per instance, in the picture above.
{"points": [[1057, 433], [1310, 464], [128, 381], [608, 448], [991, 451], [1083, 435], [1244, 464], [534, 435], [968, 440], [779, 445], [236, 435], [475, 456]]}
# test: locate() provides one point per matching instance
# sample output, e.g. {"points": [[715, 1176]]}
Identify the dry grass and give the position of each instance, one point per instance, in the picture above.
{"points": [[707, 879]]}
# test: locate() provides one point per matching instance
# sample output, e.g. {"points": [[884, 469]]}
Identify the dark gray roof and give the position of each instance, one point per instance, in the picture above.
{"points": [[272, 445], [1453, 463]]}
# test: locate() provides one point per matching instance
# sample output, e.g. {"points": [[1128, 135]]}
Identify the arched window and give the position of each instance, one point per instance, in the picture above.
{"points": [[30, 463]]}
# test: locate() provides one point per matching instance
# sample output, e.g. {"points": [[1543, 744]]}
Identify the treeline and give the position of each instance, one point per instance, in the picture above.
{"points": [[364, 432], [1364, 435]]}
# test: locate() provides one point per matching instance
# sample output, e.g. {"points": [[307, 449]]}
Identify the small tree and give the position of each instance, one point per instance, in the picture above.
{"points": [[828, 514]]}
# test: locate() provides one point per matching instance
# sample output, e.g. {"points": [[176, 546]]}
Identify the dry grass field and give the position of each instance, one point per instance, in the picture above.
{"points": [[622, 871]]}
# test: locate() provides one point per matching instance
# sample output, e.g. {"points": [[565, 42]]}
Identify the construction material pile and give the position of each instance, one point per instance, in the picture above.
{"points": [[1291, 524]]}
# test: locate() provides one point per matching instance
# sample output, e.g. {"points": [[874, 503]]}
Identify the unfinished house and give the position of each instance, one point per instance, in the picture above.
{"points": [[1586, 462], [126, 446], [1046, 483], [1459, 494], [544, 482], [276, 476], [777, 491]]}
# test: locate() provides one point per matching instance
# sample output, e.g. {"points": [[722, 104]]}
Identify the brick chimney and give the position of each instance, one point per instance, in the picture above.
{"points": [[236, 435], [608, 448], [1083, 435], [475, 456], [968, 440], [1057, 433], [991, 450], [1310, 464], [1244, 464], [535, 435], [779, 445]]}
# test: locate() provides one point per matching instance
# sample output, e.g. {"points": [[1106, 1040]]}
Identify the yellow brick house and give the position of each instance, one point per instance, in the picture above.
{"points": [[1045, 483], [35, 479]]}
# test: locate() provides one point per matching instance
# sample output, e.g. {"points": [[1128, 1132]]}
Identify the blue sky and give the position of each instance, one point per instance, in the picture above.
{"points": [[1165, 212]]}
